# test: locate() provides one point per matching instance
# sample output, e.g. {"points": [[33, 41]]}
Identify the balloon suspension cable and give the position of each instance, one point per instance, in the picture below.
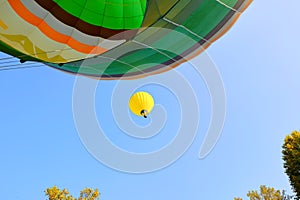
{"points": [[20, 57], [144, 113], [18, 62], [14, 64], [21, 67]]}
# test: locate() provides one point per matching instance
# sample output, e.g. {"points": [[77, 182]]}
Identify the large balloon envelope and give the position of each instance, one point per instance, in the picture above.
{"points": [[113, 38]]}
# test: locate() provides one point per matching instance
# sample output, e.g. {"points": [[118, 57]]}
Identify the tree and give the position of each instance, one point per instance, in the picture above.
{"points": [[291, 158], [267, 193], [55, 193]]}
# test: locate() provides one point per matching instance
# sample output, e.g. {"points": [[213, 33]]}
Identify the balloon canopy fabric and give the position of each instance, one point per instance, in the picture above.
{"points": [[113, 39]]}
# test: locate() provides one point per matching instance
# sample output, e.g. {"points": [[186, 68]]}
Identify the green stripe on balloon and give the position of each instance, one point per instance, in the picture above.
{"points": [[200, 17], [113, 14]]}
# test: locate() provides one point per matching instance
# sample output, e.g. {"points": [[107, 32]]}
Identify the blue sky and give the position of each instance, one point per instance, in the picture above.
{"points": [[259, 64]]}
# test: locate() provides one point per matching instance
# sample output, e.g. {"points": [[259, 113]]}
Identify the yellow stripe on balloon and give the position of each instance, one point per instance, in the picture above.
{"points": [[3, 25]]}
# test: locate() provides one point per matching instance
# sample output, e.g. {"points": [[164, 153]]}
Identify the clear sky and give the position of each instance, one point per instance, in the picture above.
{"points": [[258, 60]]}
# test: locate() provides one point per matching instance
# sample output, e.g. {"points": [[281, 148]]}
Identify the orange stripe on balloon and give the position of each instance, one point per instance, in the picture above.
{"points": [[29, 17]]}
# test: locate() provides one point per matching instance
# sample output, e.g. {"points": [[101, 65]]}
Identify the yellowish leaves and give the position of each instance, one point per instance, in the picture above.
{"points": [[89, 194], [291, 158], [265, 193], [55, 193]]}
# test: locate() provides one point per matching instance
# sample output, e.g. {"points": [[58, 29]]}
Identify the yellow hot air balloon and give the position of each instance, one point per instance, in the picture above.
{"points": [[141, 103]]}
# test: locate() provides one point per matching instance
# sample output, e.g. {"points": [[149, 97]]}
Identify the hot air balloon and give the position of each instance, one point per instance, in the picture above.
{"points": [[113, 39], [141, 103]]}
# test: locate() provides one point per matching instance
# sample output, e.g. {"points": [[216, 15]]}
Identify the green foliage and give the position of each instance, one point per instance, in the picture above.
{"points": [[266, 193], [291, 157], [55, 193]]}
